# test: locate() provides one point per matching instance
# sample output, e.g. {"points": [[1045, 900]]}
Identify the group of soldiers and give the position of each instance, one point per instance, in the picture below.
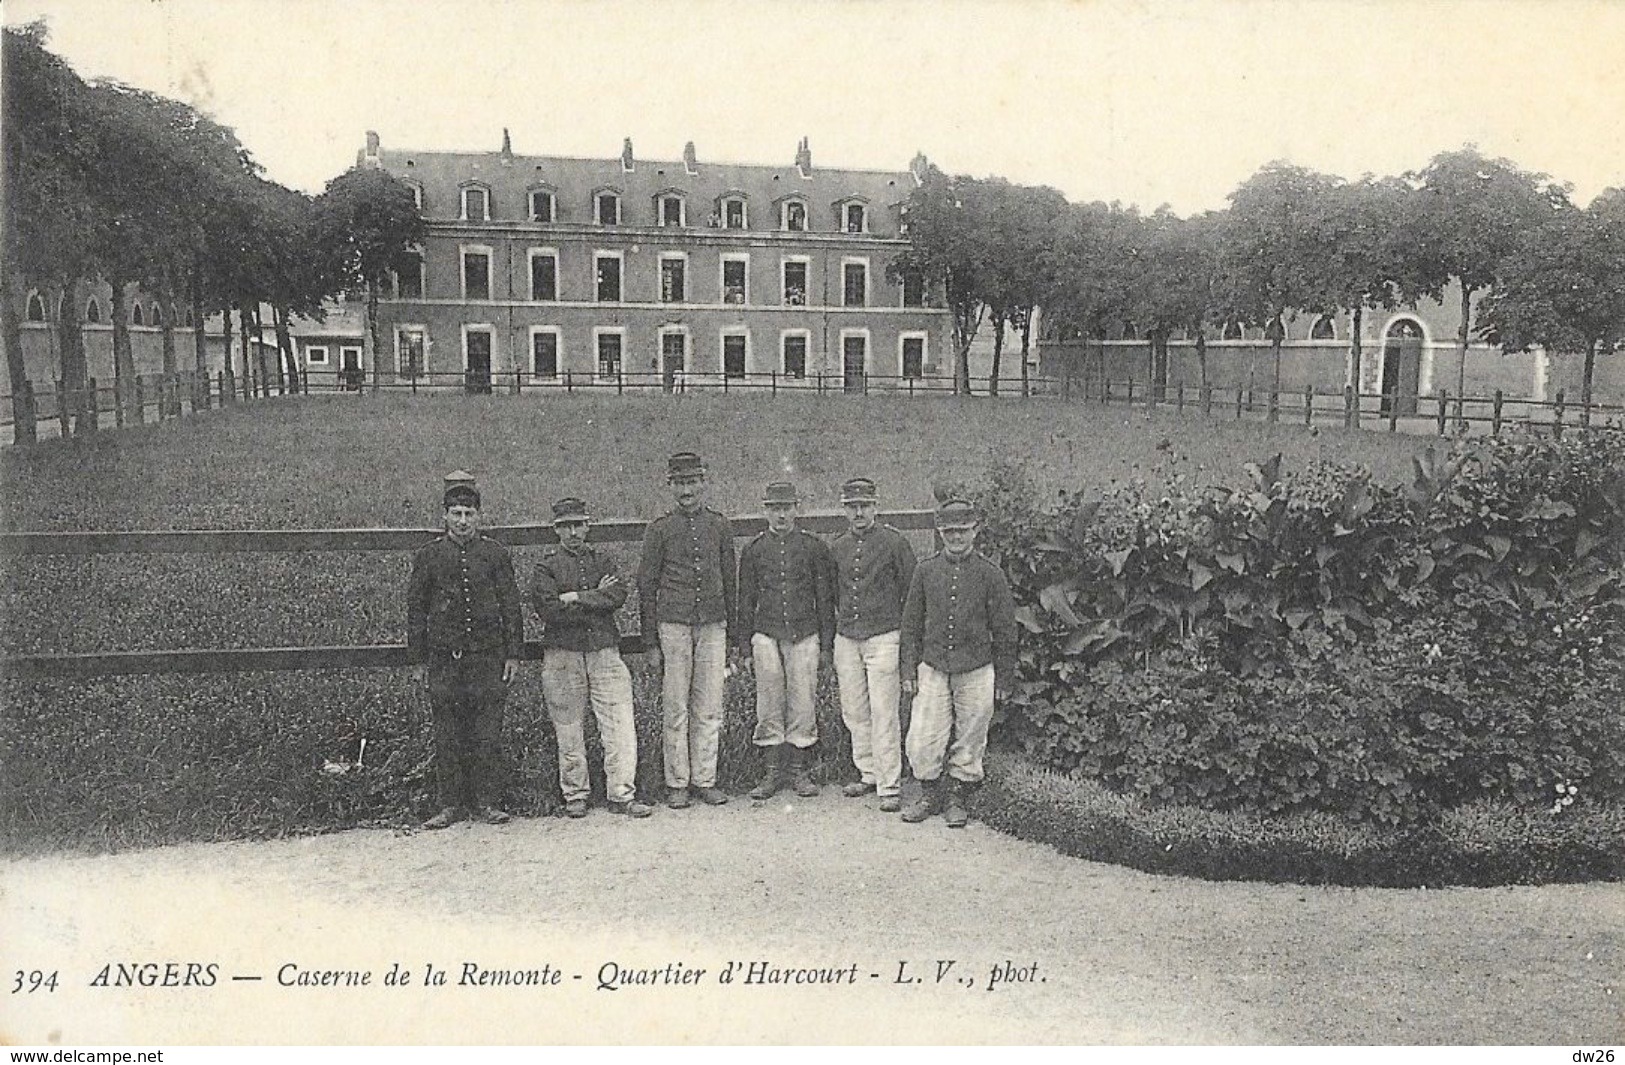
{"points": [[940, 632]]}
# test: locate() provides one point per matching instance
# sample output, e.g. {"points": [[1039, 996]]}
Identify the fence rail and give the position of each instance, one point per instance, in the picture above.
{"points": [[259, 659]]}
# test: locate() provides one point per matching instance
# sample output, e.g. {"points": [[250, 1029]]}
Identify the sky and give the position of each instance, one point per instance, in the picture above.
{"points": [[1152, 102]]}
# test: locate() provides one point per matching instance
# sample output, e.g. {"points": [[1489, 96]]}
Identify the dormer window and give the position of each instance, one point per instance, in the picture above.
{"points": [[36, 307], [734, 215], [856, 218], [670, 210], [541, 205], [476, 204], [794, 219], [607, 207], [417, 194]]}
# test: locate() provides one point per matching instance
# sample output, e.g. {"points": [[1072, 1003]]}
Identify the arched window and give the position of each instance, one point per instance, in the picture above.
{"points": [[93, 310], [157, 314], [1130, 332], [190, 319], [1323, 329], [36, 307], [135, 315], [1232, 330]]}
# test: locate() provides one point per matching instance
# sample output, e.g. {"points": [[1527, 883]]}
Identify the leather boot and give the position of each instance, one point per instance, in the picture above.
{"points": [[956, 814], [798, 774], [772, 774], [929, 802]]}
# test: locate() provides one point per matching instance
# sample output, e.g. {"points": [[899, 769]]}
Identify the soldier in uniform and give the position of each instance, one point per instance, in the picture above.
{"points": [[686, 599], [874, 565], [958, 648], [787, 618], [576, 593], [464, 628]]}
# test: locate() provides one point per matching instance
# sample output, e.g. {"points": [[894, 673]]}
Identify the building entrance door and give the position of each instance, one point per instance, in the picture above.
{"points": [[673, 358], [478, 371], [854, 360], [1401, 367]]}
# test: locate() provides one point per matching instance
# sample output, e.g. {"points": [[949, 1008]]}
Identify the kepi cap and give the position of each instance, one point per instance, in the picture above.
{"points": [[780, 492], [460, 490], [569, 509], [859, 490], [956, 513], [685, 464]]}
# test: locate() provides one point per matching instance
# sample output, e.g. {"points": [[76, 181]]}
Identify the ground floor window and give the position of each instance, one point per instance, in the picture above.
{"points": [[544, 353], [609, 354], [913, 356], [410, 345]]}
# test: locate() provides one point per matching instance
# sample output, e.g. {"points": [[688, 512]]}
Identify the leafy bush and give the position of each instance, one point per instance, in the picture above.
{"points": [[1324, 642]]}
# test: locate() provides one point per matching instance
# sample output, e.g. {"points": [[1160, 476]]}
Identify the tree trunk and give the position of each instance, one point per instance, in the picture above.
{"points": [[1201, 354], [1585, 383], [1461, 341], [284, 346], [225, 337], [1277, 335], [1356, 356], [12, 296], [259, 355], [1026, 339], [1159, 364], [71, 343], [242, 335], [372, 337], [123, 359], [200, 340], [998, 352]]}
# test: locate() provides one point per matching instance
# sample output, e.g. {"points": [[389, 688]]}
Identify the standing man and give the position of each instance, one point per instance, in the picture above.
{"points": [[576, 594], [874, 565], [787, 615], [958, 649], [465, 629], [686, 597]]}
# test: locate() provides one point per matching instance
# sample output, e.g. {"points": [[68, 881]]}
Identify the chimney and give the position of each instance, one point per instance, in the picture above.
{"points": [[507, 144], [918, 166], [369, 155], [689, 163], [626, 155], [804, 158]]}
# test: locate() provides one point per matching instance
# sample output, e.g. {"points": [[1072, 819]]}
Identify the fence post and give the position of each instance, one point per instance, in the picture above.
{"points": [[1275, 405], [140, 401], [1129, 399], [1105, 391], [1309, 403], [1240, 394], [1351, 407], [1179, 398], [773, 382], [518, 382], [1557, 415], [620, 381], [1207, 399], [118, 404], [1495, 414], [93, 403], [1444, 405], [1392, 400], [62, 407]]}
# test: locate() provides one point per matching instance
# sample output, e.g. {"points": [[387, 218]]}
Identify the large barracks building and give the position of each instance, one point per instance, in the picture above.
{"points": [[651, 271]]}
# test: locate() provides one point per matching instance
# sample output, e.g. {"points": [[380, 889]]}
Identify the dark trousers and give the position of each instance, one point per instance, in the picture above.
{"points": [[467, 695]]}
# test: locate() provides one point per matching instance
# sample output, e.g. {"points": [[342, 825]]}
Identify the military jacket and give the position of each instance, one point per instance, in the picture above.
{"points": [[959, 616], [787, 588], [687, 573], [872, 574], [462, 599], [588, 624]]}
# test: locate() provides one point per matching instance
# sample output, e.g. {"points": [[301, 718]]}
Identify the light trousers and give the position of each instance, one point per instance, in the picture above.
{"points": [[571, 680], [951, 715], [867, 673], [786, 675], [696, 658]]}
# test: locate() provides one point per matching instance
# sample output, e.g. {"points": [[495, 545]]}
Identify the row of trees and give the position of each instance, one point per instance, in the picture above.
{"points": [[1291, 241], [105, 182]]}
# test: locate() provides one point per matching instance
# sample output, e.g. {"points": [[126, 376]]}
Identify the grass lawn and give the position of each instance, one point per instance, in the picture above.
{"points": [[147, 759]]}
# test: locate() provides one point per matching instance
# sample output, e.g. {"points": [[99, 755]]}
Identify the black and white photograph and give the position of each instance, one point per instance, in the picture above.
{"points": [[860, 523]]}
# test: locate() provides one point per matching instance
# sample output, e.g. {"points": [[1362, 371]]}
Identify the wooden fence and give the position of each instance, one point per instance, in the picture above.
{"points": [[222, 660]]}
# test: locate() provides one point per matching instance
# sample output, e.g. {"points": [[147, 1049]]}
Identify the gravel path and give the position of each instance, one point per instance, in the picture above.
{"points": [[824, 889]]}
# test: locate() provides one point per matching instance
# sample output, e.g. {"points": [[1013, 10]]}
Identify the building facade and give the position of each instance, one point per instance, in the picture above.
{"points": [[545, 270]]}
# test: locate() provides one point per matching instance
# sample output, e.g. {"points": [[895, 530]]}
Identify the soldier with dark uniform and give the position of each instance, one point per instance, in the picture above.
{"points": [[958, 648], [787, 620], [686, 596], [465, 630], [576, 593]]}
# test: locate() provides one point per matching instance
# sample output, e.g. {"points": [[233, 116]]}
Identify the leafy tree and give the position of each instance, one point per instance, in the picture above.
{"points": [[953, 243], [1471, 212], [1173, 289], [1563, 287], [369, 223], [1021, 226], [1274, 257], [1091, 270]]}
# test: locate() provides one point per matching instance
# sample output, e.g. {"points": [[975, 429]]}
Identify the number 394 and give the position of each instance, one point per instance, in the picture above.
{"points": [[33, 980]]}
